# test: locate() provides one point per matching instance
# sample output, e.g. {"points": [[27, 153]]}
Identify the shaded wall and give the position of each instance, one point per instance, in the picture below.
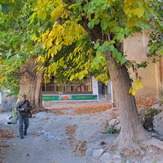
{"points": [[136, 48]]}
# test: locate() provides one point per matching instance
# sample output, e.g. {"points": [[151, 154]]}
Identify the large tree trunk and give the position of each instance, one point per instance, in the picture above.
{"points": [[30, 82], [131, 127]]}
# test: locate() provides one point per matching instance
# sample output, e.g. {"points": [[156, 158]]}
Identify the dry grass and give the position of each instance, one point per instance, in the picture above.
{"points": [[145, 103], [80, 148], [82, 109], [70, 132]]}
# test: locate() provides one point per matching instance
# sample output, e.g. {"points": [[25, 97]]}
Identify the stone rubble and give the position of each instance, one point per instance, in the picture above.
{"points": [[97, 153], [116, 124], [158, 123], [100, 156], [105, 157]]}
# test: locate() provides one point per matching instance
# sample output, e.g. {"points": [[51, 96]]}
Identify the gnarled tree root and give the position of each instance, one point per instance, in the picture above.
{"points": [[133, 145], [154, 142], [127, 143]]}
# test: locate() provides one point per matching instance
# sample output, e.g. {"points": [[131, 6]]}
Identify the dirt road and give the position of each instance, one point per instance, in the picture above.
{"points": [[56, 139], [64, 135]]}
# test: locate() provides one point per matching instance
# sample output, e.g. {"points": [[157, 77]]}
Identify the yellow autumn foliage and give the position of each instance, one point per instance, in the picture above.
{"points": [[136, 85], [132, 91]]}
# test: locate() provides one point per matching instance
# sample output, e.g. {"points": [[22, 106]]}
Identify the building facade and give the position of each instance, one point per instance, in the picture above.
{"points": [[89, 89], [136, 49]]}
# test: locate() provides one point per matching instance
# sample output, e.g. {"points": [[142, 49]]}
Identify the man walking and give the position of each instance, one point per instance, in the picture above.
{"points": [[23, 107]]}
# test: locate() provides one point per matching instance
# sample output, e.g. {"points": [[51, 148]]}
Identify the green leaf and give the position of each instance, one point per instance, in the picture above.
{"points": [[79, 2], [126, 31], [8, 41], [42, 15], [120, 36], [111, 48], [86, 7], [123, 60], [96, 2], [8, 54], [72, 77], [104, 24], [81, 76], [0, 8], [96, 21], [116, 29], [97, 44], [139, 12], [91, 25], [97, 60]]}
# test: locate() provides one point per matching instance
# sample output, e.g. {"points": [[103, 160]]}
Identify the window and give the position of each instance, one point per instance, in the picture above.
{"points": [[68, 88]]}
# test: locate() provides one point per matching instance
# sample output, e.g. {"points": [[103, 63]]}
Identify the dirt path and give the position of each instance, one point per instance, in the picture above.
{"points": [[63, 136], [51, 139]]}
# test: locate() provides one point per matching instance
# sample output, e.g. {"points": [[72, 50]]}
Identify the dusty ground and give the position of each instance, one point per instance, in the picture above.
{"points": [[63, 135], [54, 138], [5, 134]]}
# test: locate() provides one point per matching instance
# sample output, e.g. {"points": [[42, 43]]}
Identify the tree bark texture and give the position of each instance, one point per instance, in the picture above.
{"points": [[30, 82], [131, 127]]}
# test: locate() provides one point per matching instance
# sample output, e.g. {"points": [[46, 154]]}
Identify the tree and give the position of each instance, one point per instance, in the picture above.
{"points": [[73, 39], [19, 51], [107, 24], [20, 47]]}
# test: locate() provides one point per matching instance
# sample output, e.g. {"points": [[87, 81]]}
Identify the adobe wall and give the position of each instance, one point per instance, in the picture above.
{"points": [[135, 48]]}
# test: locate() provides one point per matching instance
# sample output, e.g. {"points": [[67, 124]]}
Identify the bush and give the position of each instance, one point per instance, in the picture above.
{"points": [[148, 117], [111, 129]]}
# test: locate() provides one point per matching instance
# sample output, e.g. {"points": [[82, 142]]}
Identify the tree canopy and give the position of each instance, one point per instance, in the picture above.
{"points": [[16, 44], [114, 20], [77, 38], [52, 32]]}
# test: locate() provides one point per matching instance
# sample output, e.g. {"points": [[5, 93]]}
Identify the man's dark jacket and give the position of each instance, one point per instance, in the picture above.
{"points": [[24, 107]]}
